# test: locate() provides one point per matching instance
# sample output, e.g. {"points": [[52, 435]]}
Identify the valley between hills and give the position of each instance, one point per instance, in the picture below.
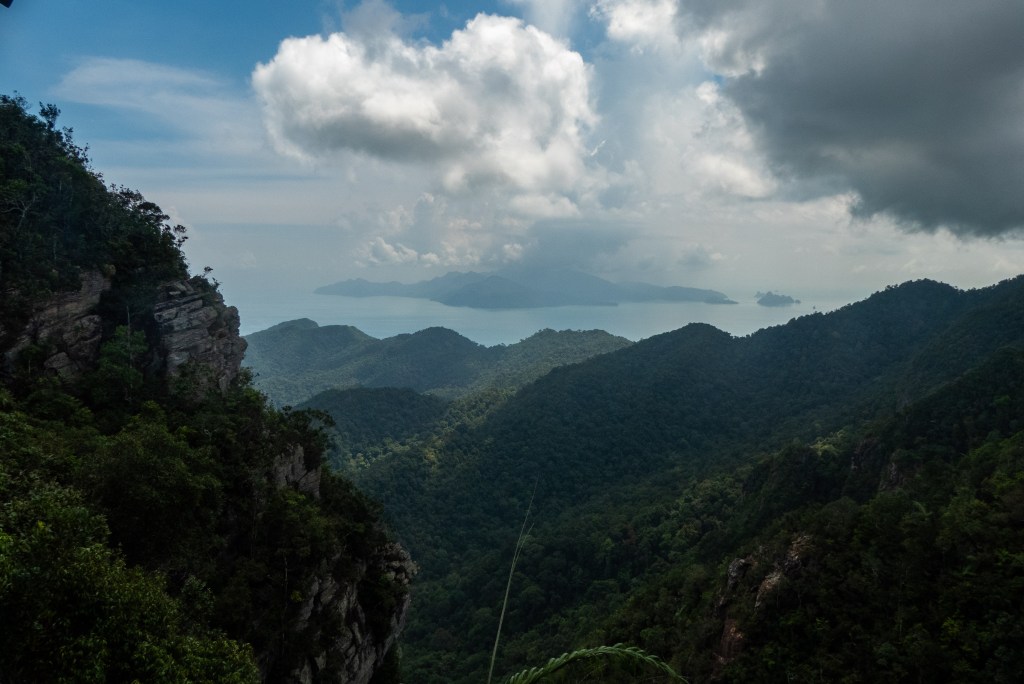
{"points": [[748, 509]]}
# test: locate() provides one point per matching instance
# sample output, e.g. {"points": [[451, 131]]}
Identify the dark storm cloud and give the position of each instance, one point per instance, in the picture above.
{"points": [[916, 105]]}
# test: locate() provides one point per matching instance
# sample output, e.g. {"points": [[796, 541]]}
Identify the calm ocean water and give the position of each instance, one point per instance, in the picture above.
{"points": [[388, 316]]}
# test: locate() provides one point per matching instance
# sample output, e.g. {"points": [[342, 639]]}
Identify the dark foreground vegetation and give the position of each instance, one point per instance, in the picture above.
{"points": [[143, 533], [296, 360]]}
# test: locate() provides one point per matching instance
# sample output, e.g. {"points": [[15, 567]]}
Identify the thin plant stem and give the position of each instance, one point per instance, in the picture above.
{"points": [[523, 531]]}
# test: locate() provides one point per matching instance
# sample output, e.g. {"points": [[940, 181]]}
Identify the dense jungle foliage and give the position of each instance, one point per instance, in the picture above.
{"points": [[366, 423], [296, 360], [142, 537], [836, 499], [59, 219]]}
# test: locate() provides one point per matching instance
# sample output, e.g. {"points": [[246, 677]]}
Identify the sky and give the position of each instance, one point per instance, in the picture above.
{"points": [[803, 146]]}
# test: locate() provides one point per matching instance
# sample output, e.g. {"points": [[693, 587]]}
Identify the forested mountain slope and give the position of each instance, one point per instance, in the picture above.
{"points": [[158, 520], [296, 360], [366, 423], [612, 448], [892, 554]]}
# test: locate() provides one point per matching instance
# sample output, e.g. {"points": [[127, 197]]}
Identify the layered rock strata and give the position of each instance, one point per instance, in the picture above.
{"points": [[197, 347], [198, 334], [67, 328], [361, 649]]}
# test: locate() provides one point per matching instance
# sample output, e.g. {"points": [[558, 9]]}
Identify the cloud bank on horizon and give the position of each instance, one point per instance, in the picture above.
{"points": [[910, 111], [700, 142]]}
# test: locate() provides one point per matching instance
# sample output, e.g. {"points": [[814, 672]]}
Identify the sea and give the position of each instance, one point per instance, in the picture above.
{"points": [[383, 317]]}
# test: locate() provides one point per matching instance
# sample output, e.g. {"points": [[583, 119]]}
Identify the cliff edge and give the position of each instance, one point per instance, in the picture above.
{"points": [[195, 347], [193, 332], [160, 520]]}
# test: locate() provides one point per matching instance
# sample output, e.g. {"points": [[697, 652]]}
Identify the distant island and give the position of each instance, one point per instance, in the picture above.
{"points": [[774, 299], [524, 289]]}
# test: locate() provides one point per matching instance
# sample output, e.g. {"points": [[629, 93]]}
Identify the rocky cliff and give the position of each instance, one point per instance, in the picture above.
{"points": [[363, 646], [353, 655], [66, 328], [196, 333], [181, 527], [194, 346]]}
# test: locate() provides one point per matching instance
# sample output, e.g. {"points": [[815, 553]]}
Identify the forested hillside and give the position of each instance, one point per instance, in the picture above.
{"points": [[836, 498], [367, 423], [296, 360], [158, 520]]}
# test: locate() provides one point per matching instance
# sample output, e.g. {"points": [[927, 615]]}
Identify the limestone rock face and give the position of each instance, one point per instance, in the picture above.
{"points": [[355, 656], [290, 470], [68, 327], [195, 347], [198, 334]]}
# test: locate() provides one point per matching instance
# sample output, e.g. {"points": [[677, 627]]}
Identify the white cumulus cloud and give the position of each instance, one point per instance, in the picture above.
{"points": [[500, 104], [380, 251], [640, 22]]}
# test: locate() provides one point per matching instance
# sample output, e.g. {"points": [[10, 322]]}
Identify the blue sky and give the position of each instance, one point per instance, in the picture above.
{"points": [[737, 145]]}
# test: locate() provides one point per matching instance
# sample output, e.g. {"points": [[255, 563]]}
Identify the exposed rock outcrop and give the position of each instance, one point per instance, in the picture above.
{"points": [[198, 334], [292, 470], [354, 654], [362, 646], [742, 582], [67, 327], [730, 644], [789, 566], [354, 607]]}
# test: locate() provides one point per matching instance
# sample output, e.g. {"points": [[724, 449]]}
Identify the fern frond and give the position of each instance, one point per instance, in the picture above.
{"points": [[616, 652]]}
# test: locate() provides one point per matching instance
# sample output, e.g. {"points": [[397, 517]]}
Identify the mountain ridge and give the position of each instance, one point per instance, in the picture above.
{"points": [[292, 363], [596, 439]]}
